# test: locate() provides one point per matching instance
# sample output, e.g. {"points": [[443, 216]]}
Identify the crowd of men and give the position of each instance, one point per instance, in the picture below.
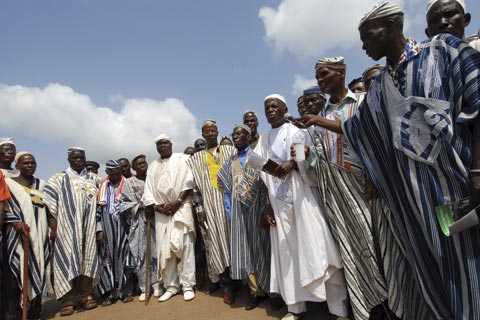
{"points": [[367, 200]]}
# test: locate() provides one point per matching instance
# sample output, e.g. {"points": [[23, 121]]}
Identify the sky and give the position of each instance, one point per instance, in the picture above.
{"points": [[111, 75]]}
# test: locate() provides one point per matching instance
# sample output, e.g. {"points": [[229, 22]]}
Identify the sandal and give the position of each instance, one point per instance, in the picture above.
{"points": [[89, 304], [67, 311], [107, 302], [127, 298]]}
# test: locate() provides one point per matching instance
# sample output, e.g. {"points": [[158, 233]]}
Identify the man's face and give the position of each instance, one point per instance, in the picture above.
{"points": [[125, 164], [164, 148], [241, 138], [375, 38], [251, 120], [114, 175], [210, 134], [447, 16], [76, 159], [301, 107], [140, 166], [91, 168], [199, 145], [274, 111], [357, 87], [329, 78], [7, 153], [370, 76], [26, 165], [314, 103]]}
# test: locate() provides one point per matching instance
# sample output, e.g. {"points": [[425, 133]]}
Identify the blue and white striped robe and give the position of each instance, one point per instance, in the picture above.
{"points": [[23, 210], [70, 198], [413, 182]]}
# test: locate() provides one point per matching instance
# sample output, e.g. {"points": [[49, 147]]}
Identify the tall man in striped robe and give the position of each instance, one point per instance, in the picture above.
{"points": [[418, 135], [359, 223], [27, 217], [245, 204], [70, 197], [213, 220], [115, 208]]}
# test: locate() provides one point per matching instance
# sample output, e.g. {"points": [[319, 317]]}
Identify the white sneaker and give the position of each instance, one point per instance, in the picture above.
{"points": [[157, 293], [188, 295], [142, 297], [167, 295]]}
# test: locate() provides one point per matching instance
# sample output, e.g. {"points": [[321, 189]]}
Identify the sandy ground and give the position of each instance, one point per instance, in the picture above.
{"points": [[202, 307]]}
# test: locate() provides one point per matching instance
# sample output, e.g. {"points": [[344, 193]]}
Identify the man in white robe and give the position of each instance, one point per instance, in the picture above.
{"points": [[305, 265], [168, 190]]}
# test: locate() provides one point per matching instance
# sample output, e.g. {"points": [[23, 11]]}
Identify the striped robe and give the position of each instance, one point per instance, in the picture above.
{"points": [[417, 172], [250, 241], [114, 217], [24, 210], [137, 236], [70, 198], [217, 237]]}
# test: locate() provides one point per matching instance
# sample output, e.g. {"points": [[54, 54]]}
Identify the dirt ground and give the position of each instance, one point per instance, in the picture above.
{"points": [[202, 307]]}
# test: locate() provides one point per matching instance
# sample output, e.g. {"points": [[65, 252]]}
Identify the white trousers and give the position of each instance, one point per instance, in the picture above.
{"points": [[173, 278]]}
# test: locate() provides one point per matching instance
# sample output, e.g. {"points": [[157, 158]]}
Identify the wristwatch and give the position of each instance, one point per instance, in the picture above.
{"points": [[181, 200]]}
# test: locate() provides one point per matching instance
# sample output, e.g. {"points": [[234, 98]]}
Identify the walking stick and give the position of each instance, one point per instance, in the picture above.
{"points": [[26, 242], [147, 261]]}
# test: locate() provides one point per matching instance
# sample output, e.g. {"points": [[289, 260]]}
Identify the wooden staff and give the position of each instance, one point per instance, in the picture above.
{"points": [[147, 261], [26, 243]]}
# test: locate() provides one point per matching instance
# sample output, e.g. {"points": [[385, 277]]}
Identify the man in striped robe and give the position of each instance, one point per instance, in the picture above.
{"points": [[70, 197], [27, 218], [137, 235], [4, 196], [358, 223], [245, 204], [213, 221], [414, 137], [114, 210]]}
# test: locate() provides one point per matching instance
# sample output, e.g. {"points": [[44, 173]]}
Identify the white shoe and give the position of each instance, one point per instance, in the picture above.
{"points": [[290, 316], [167, 295], [188, 295], [157, 293], [142, 297]]}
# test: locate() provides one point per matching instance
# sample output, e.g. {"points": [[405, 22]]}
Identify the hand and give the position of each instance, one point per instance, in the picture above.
{"points": [[475, 188], [293, 152], [159, 208], [311, 119], [170, 208], [270, 217], [201, 223], [21, 227], [369, 189], [100, 238], [53, 235], [284, 169]]}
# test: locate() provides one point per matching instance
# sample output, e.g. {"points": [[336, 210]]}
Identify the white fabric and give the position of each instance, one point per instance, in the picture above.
{"points": [[171, 275], [460, 2], [304, 254], [276, 96], [163, 136], [381, 10], [166, 179]]}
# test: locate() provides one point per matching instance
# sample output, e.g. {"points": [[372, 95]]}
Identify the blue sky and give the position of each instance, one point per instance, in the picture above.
{"points": [[111, 75]]}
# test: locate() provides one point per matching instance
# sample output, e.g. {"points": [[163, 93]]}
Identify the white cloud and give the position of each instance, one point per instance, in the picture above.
{"points": [[301, 83], [58, 113], [309, 28]]}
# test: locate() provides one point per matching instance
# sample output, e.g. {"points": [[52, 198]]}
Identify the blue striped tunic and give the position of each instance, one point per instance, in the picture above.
{"points": [[419, 159]]}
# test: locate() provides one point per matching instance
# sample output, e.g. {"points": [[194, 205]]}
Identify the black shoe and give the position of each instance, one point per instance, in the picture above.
{"points": [[276, 303], [253, 302], [212, 287]]}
